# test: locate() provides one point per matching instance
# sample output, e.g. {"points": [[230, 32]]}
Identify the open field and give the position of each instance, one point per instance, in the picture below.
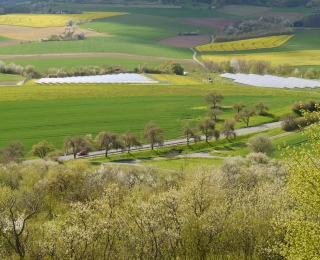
{"points": [[242, 9], [213, 23], [248, 44], [54, 111], [36, 34], [186, 41], [48, 20], [294, 58]]}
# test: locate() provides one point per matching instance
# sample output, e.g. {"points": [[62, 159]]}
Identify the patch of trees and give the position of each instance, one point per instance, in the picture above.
{"points": [[12, 68], [260, 67], [247, 29], [311, 21]]}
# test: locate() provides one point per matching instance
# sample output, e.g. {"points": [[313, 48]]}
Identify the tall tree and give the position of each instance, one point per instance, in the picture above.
{"points": [[153, 134], [207, 127], [12, 153], [213, 98], [108, 141], [227, 129], [129, 140], [76, 144], [214, 114]]}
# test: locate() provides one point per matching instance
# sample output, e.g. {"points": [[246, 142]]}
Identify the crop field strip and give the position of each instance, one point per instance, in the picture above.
{"points": [[295, 58], [48, 20], [248, 44]]}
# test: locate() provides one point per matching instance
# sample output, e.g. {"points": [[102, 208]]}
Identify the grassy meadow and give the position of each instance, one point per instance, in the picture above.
{"points": [[52, 112]]}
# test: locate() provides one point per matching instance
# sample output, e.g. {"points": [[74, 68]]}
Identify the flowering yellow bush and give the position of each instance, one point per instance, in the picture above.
{"points": [[49, 20]]}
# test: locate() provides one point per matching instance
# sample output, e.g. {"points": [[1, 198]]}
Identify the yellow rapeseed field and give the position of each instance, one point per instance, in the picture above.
{"points": [[176, 79], [50, 20], [294, 58], [248, 44]]}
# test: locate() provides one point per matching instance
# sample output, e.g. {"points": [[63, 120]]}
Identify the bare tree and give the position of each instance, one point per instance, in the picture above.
{"points": [[153, 134], [108, 141], [227, 129], [238, 106], [262, 108], [207, 127], [76, 144], [214, 98], [245, 116], [190, 134], [129, 140], [214, 114]]}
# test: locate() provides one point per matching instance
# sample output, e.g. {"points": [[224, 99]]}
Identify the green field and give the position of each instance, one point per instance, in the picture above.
{"points": [[10, 77], [53, 112], [43, 64]]}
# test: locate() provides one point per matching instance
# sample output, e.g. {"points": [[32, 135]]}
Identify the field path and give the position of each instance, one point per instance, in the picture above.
{"points": [[194, 57], [83, 55]]}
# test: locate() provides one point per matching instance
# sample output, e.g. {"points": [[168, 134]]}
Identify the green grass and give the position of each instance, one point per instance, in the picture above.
{"points": [[113, 44], [10, 77], [43, 64], [5, 39]]}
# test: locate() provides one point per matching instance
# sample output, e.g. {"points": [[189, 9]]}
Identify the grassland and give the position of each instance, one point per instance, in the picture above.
{"points": [[248, 44], [54, 111], [10, 77], [48, 20]]}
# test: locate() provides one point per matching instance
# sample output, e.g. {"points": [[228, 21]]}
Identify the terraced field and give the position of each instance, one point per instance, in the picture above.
{"points": [[50, 20], [248, 44]]}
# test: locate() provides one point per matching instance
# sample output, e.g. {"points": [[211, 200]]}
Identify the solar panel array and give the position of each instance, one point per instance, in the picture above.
{"points": [[271, 81], [110, 78]]}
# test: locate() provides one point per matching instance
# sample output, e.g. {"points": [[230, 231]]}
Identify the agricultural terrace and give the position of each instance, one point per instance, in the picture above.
{"points": [[35, 112], [248, 44], [51, 20], [294, 58]]}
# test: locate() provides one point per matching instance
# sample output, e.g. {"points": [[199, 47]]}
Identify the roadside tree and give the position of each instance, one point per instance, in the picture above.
{"points": [[77, 144], [129, 140], [213, 98], [108, 141], [214, 114], [190, 134], [245, 115], [227, 129], [207, 127], [42, 148], [153, 134]]}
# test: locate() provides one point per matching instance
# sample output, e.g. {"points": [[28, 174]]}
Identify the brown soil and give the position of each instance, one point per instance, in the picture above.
{"points": [[214, 23], [8, 83], [291, 16], [9, 43], [186, 41], [36, 34]]}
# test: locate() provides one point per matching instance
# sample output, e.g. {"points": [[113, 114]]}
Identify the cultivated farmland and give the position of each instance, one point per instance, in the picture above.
{"points": [[48, 20], [248, 44]]}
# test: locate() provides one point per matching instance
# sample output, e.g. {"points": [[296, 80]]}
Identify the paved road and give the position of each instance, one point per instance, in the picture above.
{"points": [[246, 130]]}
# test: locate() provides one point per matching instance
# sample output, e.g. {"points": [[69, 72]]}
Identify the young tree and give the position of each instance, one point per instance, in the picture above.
{"points": [[214, 98], [190, 134], [260, 143], [153, 134], [42, 148], [245, 115], [12, 153], [288, 122], [129, 140], [227, 129], [238, 106], [108, 141], [262, 108], [214, 114], [76, 144], [207, 127]]}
